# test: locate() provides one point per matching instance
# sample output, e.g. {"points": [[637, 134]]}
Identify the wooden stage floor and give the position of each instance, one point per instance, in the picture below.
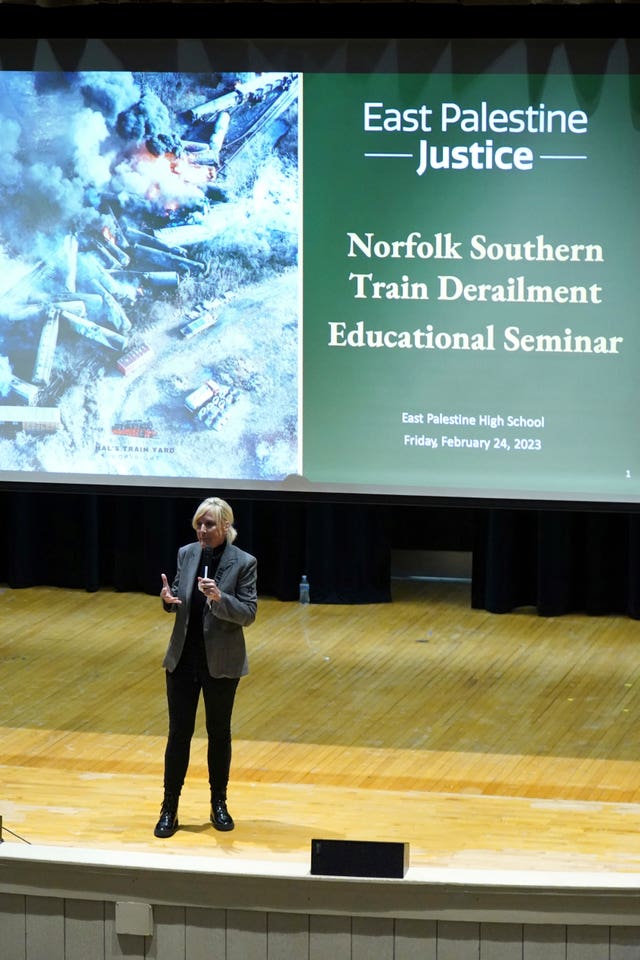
{"points": [[486, 742]]}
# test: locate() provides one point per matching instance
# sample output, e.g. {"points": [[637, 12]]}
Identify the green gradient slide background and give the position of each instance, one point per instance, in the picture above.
{"points": [[354, 398]]}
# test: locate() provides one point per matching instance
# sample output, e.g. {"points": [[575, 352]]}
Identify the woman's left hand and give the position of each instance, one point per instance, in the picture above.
{"points": [[209, 588]]}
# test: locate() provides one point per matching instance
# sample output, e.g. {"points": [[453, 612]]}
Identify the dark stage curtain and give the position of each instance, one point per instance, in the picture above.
{"points": [[553, 561], [557, 562], [88, 541]]}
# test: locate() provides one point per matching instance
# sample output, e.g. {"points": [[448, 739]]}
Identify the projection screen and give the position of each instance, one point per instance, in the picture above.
{"points": [[380, 282]]}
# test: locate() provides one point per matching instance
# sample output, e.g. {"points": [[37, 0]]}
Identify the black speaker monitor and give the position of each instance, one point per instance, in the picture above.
{"points": [[359, 858]]}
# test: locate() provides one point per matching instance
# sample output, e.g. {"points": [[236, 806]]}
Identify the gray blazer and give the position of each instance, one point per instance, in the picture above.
{"points": [[224, 642]]}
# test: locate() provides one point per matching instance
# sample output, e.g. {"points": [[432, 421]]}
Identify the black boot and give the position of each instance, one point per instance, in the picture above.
{"points": [[168, 822], [220, 816]]}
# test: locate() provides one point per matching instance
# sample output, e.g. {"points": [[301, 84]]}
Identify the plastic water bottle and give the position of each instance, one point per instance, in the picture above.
{"points": [[304, 589]]}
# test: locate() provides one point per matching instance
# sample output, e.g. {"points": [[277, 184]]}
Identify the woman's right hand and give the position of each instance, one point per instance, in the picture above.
{"points": [[165, 594]]}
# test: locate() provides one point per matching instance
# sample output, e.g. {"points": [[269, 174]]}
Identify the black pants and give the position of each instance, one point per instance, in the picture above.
{"points": [[183, 693]]}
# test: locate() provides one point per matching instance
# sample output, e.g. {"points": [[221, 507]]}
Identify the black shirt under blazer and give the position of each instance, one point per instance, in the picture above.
{"points": [[223, 621]]}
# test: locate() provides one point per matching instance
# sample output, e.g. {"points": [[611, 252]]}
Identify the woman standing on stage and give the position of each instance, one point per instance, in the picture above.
{"points": [[213, 596]]}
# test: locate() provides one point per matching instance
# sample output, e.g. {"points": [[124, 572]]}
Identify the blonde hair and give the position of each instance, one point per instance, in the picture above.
{"points": [[221, 511]]}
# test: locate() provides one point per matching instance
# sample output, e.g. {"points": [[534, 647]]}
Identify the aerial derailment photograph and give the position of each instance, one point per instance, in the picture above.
{"points": [[149, 302]]}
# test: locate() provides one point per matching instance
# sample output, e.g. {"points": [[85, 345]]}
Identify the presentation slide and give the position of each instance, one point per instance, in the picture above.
{"points": [[303, 282], [471, 250]]}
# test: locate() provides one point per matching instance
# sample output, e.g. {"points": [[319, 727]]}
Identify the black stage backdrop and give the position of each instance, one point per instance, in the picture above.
{"points": [[555, 561]]}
